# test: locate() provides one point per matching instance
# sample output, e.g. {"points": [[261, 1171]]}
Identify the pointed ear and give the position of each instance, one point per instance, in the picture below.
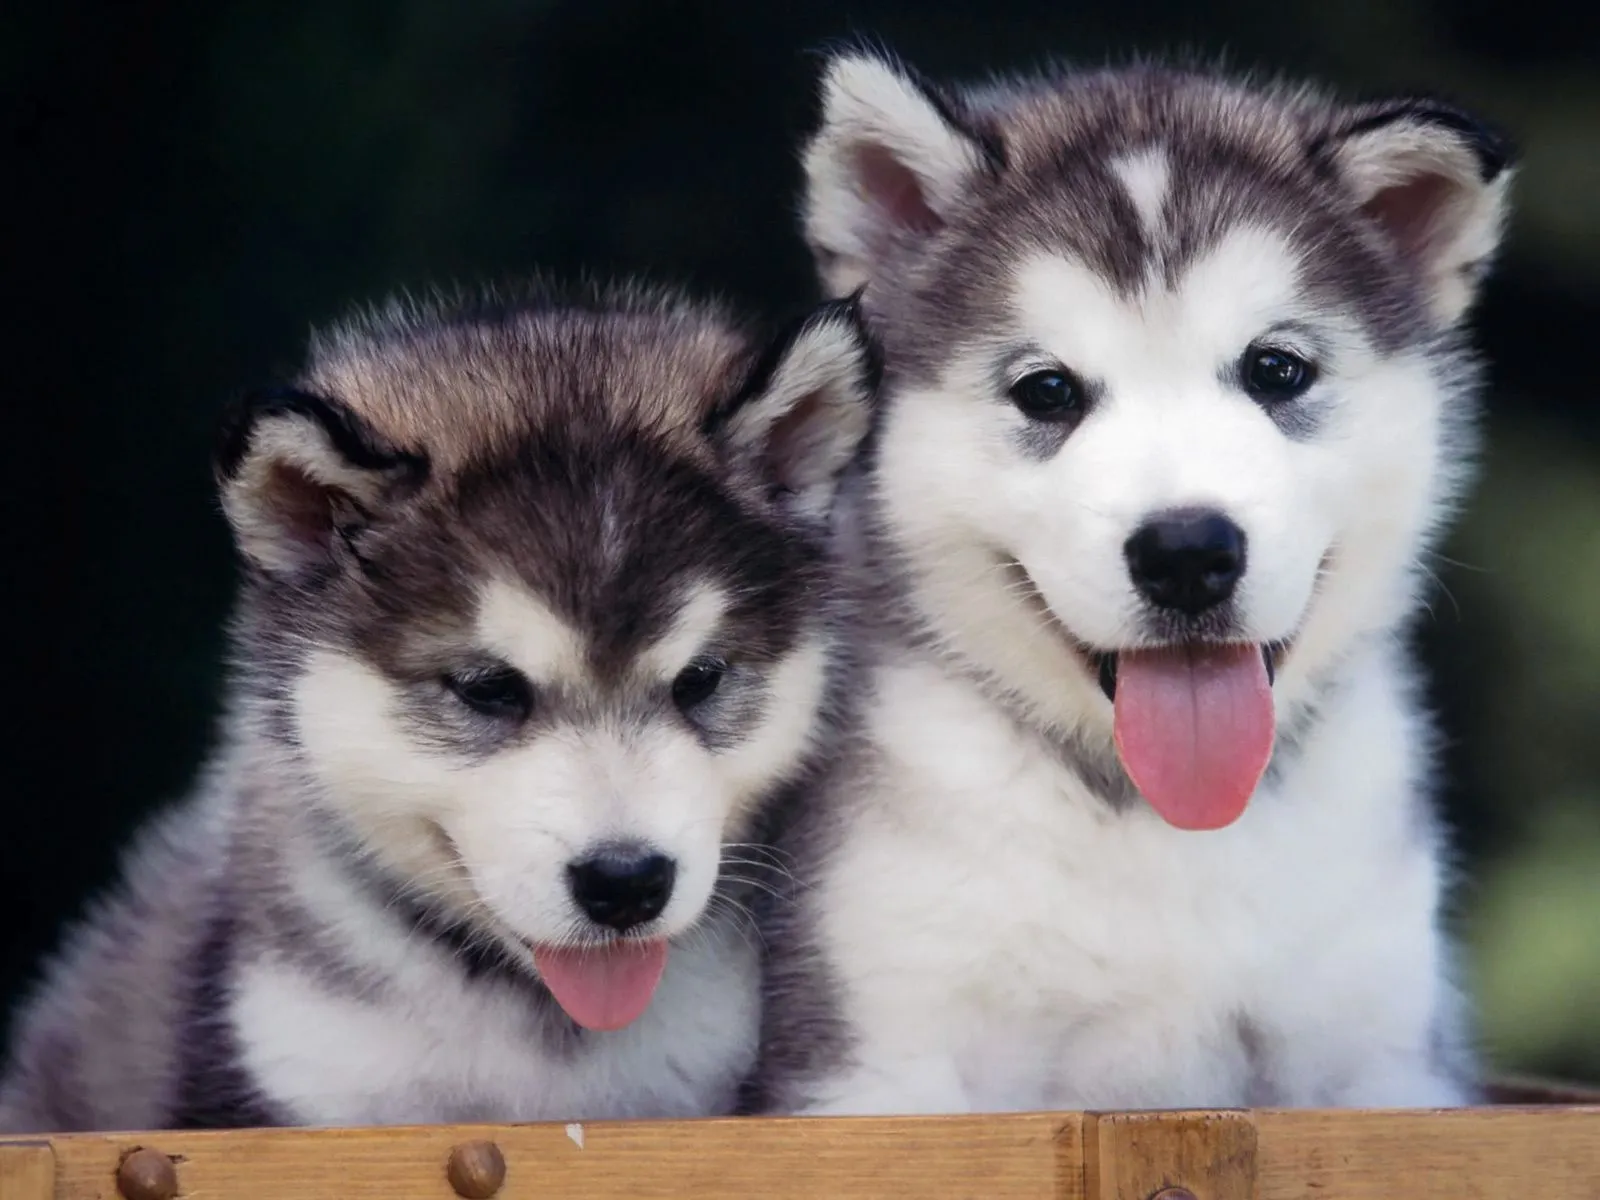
{"points": [[805, 408], [301, 475], [889, 163], [1435, 181]]}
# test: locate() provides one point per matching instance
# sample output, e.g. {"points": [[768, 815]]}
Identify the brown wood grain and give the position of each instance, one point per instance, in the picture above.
{"points": [[933, 1158], [27, 1171], [1134, 1156], [1476, 1154], [1467, 1154]]}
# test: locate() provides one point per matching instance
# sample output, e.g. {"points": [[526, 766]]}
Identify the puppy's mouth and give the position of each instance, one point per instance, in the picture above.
{"points": [[1194, 725], [1194, 718], [1103, 664], [604, 985]]}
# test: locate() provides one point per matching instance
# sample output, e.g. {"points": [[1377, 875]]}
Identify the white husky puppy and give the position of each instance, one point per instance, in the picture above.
{"points": [[1175, 405]]}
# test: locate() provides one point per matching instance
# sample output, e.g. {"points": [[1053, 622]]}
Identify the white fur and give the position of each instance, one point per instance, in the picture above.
{"points": [[1001, 938], [795, 695], [1169, 432], [520, 628], [997, 930], [512, 821], [1146, 175], [466, 1052], [700, 612]]}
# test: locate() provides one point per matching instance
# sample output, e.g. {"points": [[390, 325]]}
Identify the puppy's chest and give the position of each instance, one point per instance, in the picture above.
{"points": [[1058, 911], [437, 1048], [1059, 920]]}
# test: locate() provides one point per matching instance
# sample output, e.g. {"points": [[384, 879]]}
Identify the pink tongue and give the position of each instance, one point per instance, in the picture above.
{"points": [[603, 987], [1194, 729]]}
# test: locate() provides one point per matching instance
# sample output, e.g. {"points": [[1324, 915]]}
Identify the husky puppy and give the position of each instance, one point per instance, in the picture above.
{"points": [[535, 636], [1176, 401]]}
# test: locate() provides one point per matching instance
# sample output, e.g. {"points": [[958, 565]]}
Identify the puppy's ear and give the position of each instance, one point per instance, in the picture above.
{"points": [[302, 475], [1435, 180], [888, 164], [805, 408]]}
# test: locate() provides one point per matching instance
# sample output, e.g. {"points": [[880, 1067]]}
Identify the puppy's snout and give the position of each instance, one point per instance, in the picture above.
{"points": [[1186, 559], [622, 887]]}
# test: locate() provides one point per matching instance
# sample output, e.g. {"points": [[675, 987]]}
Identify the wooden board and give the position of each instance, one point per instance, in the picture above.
{"points": [[1470, 1154], [1133, 1156], [1547, 1153], [970, 1158], [27, 1171]]}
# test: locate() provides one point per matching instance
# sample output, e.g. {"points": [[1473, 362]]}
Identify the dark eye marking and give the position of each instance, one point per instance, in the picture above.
{"points": [[1052, 395], [698, 682], [1272, 375], [501, 692]]}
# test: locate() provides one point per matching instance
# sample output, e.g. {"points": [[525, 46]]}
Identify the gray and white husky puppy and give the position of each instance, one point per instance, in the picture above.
{"points": [[1176, 403], [536, 634]]}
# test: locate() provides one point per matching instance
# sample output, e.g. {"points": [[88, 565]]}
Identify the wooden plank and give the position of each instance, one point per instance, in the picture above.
{"points": [[1135, 1156], [1474, 1154], [1023, 1157], [1466, 1154], [27, 1171]]}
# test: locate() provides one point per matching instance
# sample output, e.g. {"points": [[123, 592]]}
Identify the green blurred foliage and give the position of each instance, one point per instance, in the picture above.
{"points": [[1531, 907]]}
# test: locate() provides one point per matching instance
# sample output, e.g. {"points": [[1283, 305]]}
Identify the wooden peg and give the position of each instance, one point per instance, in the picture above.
{"points": [[147, 1174], [476, 1170]]}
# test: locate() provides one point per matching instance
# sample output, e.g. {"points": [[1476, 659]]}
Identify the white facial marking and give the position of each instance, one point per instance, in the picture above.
{"points": [[518, 626], [511, 818], [690, 632], [1171, 430], [1146, 175], [788, 722], [1173, 341], [1170, 426], [515, 817]]}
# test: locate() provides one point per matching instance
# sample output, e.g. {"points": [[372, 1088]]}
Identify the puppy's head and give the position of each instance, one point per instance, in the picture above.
{"points": [[538, 599], [1173, 379]]}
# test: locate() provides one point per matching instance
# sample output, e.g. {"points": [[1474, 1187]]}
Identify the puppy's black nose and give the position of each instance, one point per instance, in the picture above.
{"points": [[622, 888], [1188, 559]]}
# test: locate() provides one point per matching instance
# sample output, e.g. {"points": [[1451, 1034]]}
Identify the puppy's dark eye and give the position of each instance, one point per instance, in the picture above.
{"points": [[1048, 396], [697, 682], [499, 692], [1274, 375]]}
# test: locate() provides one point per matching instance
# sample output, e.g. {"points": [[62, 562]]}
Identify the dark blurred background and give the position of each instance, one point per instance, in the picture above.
{"points": [[192, 185]]}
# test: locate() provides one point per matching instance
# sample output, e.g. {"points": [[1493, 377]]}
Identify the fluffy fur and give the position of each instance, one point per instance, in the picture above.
{"points": [[991, 915], [484, 543]]}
